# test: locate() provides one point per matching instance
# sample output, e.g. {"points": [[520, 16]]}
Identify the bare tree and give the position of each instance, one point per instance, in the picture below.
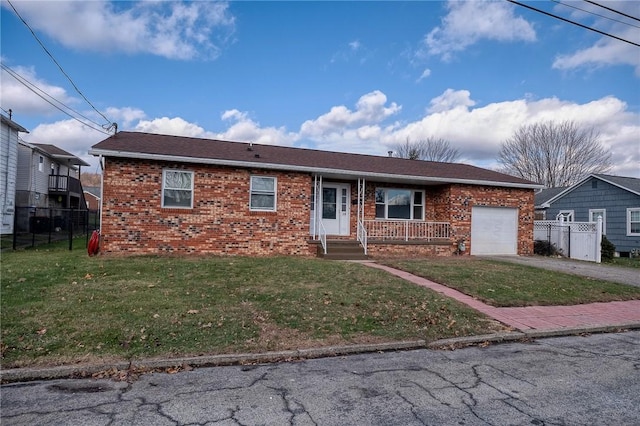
{"points": [[554, 154], [430, 149]]}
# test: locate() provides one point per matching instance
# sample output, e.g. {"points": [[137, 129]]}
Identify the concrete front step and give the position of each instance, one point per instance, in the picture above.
{"points": [[343, 250]]}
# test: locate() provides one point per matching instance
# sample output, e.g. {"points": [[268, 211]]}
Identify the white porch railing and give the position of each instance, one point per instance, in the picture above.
{"points": [[407, 230], [322, 234], [362, 236]]}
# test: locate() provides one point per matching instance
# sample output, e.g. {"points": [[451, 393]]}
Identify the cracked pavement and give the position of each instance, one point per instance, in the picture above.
{"points": [[576, 380]]}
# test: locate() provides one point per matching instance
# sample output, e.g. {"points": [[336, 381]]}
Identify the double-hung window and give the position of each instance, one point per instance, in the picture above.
{"points": [[633, 221], [394, 203], [177, 189], [262, 195]]}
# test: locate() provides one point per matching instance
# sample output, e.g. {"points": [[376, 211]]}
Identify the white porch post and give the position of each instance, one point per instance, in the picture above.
{"points": [[599, 240], [360, 206], [318, 212], [315, 206]]}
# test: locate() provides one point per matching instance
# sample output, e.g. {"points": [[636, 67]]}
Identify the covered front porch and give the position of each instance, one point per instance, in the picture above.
{"points": [[353, 219]]}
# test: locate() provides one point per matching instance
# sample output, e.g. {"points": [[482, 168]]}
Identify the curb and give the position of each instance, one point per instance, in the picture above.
{"points": [[187, 363]]}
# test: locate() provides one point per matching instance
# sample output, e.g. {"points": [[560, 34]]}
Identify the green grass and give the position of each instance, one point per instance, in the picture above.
{"points": [[60, 306], [508, 284], [627, 262]]}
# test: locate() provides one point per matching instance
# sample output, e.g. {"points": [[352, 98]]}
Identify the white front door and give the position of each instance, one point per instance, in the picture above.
{"points": [[335, 206]]}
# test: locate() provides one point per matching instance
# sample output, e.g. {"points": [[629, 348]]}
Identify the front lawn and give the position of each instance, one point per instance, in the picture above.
{"points": [[509, 284], [62, 307]]}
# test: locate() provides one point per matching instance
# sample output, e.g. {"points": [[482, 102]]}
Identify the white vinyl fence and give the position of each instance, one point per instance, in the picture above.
{"points": [[577, 240]]}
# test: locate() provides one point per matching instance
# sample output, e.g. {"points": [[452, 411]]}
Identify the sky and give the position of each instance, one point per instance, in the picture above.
{"points": [[347, 76]]}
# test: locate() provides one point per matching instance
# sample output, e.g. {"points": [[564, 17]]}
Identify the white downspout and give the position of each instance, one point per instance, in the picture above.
{"points": [[101, 162]]}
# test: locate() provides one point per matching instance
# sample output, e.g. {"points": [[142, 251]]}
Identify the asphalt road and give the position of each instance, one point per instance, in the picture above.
{"points": [[567, 380]]}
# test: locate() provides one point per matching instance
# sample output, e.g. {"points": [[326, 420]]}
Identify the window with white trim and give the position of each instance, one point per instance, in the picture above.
{"points": [[594, 214], [262, 194], [392, 203], [177, 189], [41, 163], [565, 215], [633, 221]]}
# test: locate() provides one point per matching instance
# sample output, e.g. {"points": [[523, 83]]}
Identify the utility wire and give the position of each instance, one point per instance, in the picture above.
{"points": [[42, 93], [595, 14], [572, 22], [612, 10], [53, 101], [60, 67]]}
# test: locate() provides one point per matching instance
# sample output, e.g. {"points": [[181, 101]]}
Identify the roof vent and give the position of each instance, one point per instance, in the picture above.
{"points": [[257, 155], [390, 153], [250, 147]]}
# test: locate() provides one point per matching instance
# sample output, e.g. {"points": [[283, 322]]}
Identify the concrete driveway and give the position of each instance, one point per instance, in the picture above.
{"points": [[602, 271]]}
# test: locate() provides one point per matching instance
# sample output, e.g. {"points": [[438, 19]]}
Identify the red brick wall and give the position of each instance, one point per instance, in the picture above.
{"points": [[453, 204], [463, 197], [93, 202], [384, 250], [220, 222]]}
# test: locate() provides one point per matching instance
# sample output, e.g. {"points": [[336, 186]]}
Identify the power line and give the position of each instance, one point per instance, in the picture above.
{"points": [[60, 67], [612, 10], [52, 101], [572, 22], [595, 14]]}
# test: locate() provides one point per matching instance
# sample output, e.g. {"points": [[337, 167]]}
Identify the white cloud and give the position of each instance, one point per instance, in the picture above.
{"points": [[471, 21], [69, 135], [354, 50], [244, 129], [451, 99], [479, 131], [370, 109], [476, 131], [125, 117], [24, 101], [173, 30], [426, 73], [171, 126], [605, 52]]}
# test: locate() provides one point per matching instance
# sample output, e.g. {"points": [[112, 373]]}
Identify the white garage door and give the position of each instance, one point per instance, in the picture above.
{"points": [[494, 230]]}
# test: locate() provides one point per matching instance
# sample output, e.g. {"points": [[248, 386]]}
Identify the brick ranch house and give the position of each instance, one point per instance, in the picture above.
{"points": [[172, 194]]}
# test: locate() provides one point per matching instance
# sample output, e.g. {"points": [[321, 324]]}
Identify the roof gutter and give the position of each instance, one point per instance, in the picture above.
{"points": [[305, 169]]}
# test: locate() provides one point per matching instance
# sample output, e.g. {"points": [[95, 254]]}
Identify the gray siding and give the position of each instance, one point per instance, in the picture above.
{"points": [[32, 184], [605, 196], [8, 170]]}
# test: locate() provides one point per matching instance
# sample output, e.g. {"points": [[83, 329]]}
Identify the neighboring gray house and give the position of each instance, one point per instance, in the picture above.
{"points": [[48, 177], [541, 199], [614, 198], [8, 172]]}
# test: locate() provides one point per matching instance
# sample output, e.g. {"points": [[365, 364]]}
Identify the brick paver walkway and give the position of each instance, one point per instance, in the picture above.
{"points": [[537, 317]]}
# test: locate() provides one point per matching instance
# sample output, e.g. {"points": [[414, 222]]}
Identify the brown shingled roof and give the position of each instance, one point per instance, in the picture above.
{"points": [[60, 154], [185, 149]]}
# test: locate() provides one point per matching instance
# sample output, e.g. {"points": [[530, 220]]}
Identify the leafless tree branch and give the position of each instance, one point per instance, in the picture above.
{"points": [[554, 154], [430, 149]]}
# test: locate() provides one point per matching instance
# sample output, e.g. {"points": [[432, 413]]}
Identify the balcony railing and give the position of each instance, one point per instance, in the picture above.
{"points": [[407, 230], [61, 184]]}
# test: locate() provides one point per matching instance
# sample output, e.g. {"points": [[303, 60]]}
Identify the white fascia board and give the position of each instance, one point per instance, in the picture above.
{"points": [[615, 184], [576, 185], [304, 169]]}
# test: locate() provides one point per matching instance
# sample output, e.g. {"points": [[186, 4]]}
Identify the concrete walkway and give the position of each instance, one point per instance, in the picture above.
{"points": [[544, 318]]}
